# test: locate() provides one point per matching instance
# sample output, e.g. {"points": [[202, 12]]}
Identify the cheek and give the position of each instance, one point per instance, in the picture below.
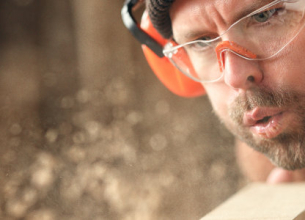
{"points": [[295, 70], [288, 71], [219, 98], [291, 69]]}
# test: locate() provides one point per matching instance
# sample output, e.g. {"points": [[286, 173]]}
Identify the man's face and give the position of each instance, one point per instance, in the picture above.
{"points": [[261, 102]]}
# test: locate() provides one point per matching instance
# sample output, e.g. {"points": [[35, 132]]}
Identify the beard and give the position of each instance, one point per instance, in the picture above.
{"points": [[286, 150]]}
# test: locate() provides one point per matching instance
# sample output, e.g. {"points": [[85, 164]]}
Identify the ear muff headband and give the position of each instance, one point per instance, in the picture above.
{"points": [[152, 45]]}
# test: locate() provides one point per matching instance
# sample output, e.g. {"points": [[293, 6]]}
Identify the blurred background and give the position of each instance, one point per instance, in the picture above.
{"points": [[88, 132]]}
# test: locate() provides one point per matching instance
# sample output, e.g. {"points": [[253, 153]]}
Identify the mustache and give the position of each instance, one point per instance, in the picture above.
{"points": [[260, 97]]}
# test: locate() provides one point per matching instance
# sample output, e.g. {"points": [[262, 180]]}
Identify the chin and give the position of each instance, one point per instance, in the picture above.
{"points": [[290, 158], [285, 151]]}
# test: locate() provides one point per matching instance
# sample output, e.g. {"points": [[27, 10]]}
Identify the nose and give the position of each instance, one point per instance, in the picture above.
{"points": [[241, 71]]}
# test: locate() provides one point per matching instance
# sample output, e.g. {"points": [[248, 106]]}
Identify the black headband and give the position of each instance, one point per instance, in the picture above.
{"points": [[158, 11]]}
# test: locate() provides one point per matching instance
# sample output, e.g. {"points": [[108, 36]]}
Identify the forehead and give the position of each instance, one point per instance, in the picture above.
{"points": [[191, 17]]}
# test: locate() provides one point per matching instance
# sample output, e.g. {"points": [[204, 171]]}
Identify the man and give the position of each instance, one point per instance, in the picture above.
{"points": [[248, 55]]}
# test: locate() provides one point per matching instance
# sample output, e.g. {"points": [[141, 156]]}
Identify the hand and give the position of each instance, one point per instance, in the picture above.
{"points": [[279, 175], [258, 168]]}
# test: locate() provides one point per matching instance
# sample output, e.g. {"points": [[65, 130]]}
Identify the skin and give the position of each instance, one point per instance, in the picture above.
{"points": [[258, 168], [241, 85]]}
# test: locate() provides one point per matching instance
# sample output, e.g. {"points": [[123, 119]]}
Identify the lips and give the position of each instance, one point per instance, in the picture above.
{"points": [[265, 122]]}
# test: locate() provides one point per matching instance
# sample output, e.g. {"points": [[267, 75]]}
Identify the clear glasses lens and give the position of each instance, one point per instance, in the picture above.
{"points": [[265, 32]]}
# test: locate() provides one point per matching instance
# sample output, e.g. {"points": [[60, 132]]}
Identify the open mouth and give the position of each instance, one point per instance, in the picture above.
{"points": [[265, 122], [260, 115]]}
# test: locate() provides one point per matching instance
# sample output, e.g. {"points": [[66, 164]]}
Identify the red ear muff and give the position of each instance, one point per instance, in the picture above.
{"points": [[152, 44], [167, 73]]}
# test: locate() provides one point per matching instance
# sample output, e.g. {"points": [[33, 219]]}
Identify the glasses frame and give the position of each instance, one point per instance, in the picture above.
{"points": [[172, 47]]}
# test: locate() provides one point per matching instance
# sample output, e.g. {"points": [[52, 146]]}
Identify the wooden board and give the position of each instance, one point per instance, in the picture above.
{"points": [[262, 201]]}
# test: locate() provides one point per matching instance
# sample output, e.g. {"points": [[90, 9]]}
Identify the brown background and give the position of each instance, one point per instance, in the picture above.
{"points": [[88, 132]]}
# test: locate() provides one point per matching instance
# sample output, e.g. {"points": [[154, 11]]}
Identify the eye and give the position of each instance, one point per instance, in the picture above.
{"points": [[205, 38], [201, 43], [264, 16]]}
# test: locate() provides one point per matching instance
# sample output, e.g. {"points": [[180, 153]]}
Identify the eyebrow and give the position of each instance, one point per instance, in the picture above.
{"points": [[242, 13]]}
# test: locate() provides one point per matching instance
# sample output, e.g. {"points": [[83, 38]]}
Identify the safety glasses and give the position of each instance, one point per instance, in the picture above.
{"points": [[260, 35]]}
